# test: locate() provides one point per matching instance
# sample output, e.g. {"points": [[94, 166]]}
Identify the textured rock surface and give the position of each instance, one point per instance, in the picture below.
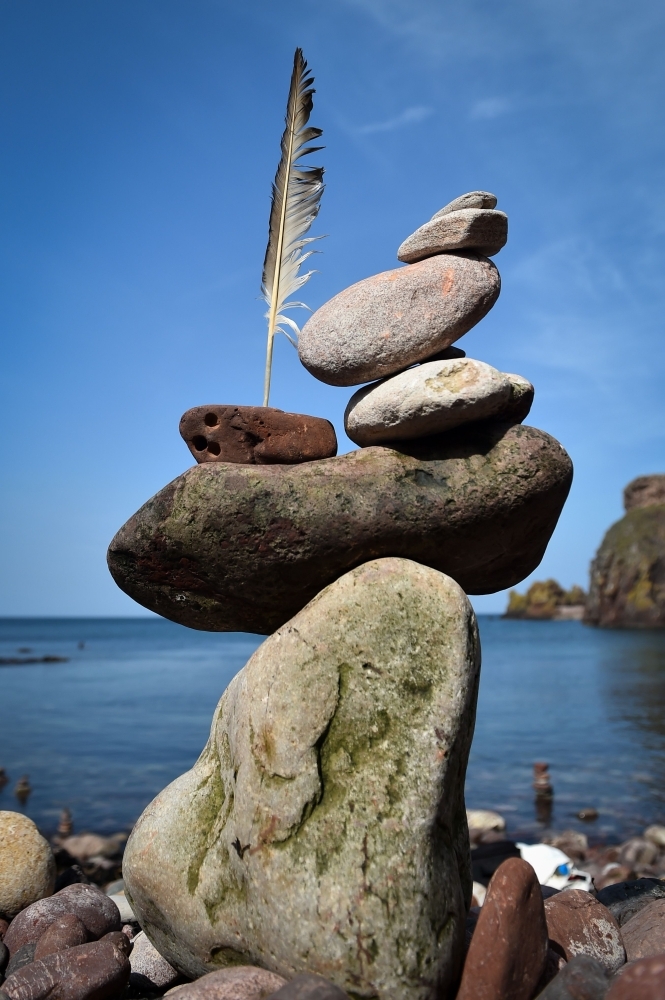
{"points": [[645, 491], [92, 971], [240, 982], [309, 987], [644, 934], [645, 980], [627, 586], [579, 925], [150, 970], [230, 548], [97, 912], [582, 978], [476, 229], [256, 435], [66, 931], [473, 199], [27, 867], [508, 950], [323, 827], [625, 899], [382, 324], [427, 399], [522, 393]]}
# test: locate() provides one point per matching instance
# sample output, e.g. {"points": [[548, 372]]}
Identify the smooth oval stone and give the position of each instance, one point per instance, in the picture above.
{"points": [[580, 925], [474, 199], [477, 229], [385, 323], [27, 866], [427, 399], [256, 435], [243, 548], [328, 803]]}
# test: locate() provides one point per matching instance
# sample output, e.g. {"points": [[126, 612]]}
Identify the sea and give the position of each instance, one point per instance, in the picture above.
{"points": [[127, 708]]}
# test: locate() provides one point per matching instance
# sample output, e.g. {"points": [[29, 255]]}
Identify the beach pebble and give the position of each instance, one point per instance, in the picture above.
{"points": [[27, 866], [124, 907], [309, 987], [120, 940], [66, 931], [149, 970], [479, 229], [656, 834], [88, 972], [473, 199], [508, 951], [625, 899], [644, 934], [483, 820], [637, 852], [583, 978], [85, 846], [427, 399], [381, 325], [256, 435], [644, 980], [240, 982], [580, 925], [95, 910]]}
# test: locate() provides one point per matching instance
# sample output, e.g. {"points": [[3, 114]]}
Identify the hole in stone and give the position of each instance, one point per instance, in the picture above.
{"points": [[214, 448], [199, 442], [211, 420]]}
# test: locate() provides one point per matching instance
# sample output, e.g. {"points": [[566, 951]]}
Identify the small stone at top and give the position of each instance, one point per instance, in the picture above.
{"points": [[474, 199]]}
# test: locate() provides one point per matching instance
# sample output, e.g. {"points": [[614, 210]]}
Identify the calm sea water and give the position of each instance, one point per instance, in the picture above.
{"points": [[104, 732]]}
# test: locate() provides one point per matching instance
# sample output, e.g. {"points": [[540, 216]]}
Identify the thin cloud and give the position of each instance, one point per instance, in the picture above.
{"points": [[491, 107], [410, 116]]}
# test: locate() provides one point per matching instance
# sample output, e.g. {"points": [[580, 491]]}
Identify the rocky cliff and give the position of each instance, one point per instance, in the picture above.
{"points": [[627, 587]]}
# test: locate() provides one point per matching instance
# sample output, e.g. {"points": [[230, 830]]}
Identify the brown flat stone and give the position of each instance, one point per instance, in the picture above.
{"points": [[644, 934], [579, 925], [508, 950], [256, 435], [644, 980]]}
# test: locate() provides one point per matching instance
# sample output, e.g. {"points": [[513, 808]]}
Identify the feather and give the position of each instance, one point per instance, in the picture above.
{"points": [[296, 198]]}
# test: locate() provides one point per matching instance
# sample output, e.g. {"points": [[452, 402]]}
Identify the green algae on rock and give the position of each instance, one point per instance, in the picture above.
{"points": [[243, 548], [323, 827]]}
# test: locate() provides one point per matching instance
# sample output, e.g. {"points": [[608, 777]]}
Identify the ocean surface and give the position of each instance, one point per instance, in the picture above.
{"points": [[131, 708]]}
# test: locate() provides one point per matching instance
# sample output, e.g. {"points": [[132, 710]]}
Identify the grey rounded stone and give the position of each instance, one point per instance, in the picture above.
{"points": [[149, 968], [27, 865], [479, 229], [382, 324], [323, 827], [473, 199], [427, 399]]}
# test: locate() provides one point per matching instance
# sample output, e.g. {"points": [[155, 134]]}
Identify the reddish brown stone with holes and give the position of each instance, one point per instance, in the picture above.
{"points": [[256, 435], [508, 950], [579, 925], [644, 980]]}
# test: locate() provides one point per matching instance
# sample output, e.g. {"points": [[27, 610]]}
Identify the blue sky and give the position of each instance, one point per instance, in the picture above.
{"points": [[138, 141]]}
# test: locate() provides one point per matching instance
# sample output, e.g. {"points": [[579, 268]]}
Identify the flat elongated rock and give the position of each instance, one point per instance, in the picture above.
{"points": [[473, 199], [479, 229], [323, 827], [427, 399], [382, 324], [235, 548]]}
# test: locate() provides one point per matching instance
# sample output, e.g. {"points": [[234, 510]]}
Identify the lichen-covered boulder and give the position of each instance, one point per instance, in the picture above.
{"points": [[323, 827], [243, 548]]}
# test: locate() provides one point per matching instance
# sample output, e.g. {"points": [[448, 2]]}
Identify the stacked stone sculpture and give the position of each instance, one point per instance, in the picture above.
{"points": [[323, 828]]}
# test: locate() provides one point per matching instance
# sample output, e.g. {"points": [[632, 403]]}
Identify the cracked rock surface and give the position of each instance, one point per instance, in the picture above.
{"points": [[323, 827]]}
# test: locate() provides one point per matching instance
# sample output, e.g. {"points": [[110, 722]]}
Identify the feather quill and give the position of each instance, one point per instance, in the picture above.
{"points": [[296, 199]]}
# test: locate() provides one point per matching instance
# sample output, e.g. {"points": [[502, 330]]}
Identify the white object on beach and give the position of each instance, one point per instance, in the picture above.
{"points": [[554, 868]]}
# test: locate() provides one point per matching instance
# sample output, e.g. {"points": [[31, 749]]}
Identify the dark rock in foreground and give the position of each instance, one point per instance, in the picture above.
{"points": [[233, 548]]}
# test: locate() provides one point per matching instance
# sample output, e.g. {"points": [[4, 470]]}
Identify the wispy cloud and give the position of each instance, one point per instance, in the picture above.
{"points": [[410, 116], [491, 107]]}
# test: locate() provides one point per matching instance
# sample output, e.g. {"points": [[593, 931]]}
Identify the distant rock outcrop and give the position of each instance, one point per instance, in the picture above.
{"points": [[627, 588], [547, 600]]}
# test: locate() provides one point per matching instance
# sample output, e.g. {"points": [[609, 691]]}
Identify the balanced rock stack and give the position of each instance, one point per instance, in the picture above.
{"points": [[322, 830]]}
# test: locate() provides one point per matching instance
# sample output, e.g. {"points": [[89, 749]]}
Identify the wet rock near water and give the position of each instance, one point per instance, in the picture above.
{"points": [[357, 787], [479, 229], [230, 548], [256, 435], [27, 866]]}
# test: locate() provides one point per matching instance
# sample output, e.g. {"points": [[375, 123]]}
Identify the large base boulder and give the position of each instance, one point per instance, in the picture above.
{"points": [[243, 548], [323, 828]]}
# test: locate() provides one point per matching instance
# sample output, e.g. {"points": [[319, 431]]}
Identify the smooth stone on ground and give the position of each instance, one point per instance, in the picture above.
{"points": [[428, 399], [579, 925], [239, 982], [150, 970], [323, 827], [508, 950], [66, 931], [309, 987], [645, 980], [382, 324], [644, 934], [479, 229], [625, 899], [256, 435], [243, 549], [92, 971], [95, 910], [473, 199], [27, 866], [583, 978]]}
